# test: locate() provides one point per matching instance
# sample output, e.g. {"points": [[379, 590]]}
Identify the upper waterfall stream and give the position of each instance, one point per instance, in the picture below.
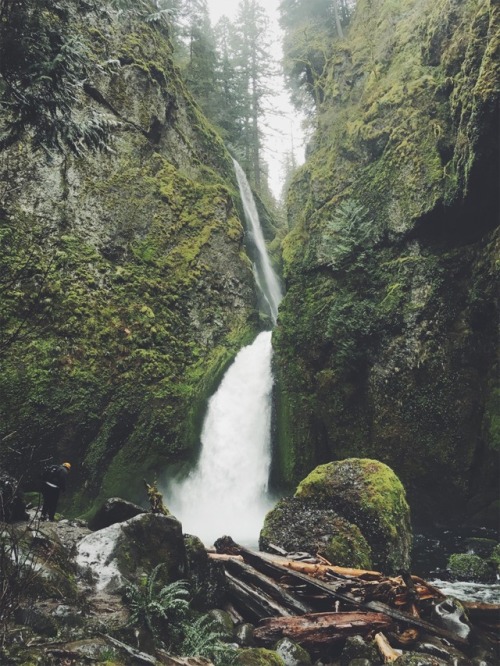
{"points": [[227, 491]]}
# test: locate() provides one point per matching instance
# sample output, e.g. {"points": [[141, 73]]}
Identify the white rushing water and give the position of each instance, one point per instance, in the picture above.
{"points": [[227, 491], [266, 278]]}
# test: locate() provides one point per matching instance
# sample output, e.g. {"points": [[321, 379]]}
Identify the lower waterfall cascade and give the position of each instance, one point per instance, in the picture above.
{"points": [[226, 493]]}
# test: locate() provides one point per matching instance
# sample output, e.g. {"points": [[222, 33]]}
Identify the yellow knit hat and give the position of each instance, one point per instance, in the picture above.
{"points": [[67, 465]]}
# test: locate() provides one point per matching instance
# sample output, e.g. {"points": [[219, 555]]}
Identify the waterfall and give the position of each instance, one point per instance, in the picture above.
{"points": [[265, 277], [227, 491]]}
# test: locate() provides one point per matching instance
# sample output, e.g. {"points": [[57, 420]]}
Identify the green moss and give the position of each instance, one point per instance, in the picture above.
{"points": [[492, 419], [349, 550], [495, 557], [367, 493], [259, 657], [372, 354], [463, 566], [133, 325]]}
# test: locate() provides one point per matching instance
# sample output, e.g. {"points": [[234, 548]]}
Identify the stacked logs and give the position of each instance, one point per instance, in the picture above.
{"points": [[319, 605]]}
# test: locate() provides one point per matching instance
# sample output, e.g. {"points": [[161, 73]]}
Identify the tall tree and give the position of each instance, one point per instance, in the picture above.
{"points": [[231, 95], [197, 54], [254, 63], [310, 28]]}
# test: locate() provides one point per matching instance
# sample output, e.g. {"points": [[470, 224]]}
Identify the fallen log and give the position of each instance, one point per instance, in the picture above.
{"points": [[315, 631], [253, 604], [484, 615], [137, 655], [248, 574], [275, 569], [322, 570], [225, 558], [387, 653]]}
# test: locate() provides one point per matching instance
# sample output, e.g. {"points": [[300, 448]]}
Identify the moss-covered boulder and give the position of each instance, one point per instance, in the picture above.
{"points": [[495, 557], [356, 647], [303, 525], [259, 657], [114, 510], [466, 566], [361, 492]]}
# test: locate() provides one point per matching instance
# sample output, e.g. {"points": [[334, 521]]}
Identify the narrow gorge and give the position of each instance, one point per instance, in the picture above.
{"points": [[309, 368]]}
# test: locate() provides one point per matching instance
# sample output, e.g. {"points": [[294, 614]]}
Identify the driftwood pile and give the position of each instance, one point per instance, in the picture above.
{"points": [[319, 606]]}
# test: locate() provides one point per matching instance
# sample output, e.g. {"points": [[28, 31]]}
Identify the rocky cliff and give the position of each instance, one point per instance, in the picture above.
{"points": [[386, 345], [125, 286]]}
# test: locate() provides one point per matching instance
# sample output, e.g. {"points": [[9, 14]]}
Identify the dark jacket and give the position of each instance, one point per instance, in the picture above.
{"points": [[57, 476]]}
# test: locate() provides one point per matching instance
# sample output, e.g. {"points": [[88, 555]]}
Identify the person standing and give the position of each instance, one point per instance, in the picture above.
{"points": [[53, 482]]}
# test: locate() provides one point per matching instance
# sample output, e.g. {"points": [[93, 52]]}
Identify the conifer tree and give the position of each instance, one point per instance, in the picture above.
{"points": [[254, 64]]}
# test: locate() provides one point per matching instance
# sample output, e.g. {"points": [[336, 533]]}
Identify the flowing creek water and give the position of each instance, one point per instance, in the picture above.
{"points": [[227, 491]]}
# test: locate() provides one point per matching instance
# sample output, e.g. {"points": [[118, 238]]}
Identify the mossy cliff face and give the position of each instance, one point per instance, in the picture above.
{"points": [[386, 341], [125, 287]]}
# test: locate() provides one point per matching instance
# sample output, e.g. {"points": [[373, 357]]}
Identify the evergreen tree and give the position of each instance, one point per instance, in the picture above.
{"points": [[197, 54], [310, 28], [229, 111], [254, 65]]}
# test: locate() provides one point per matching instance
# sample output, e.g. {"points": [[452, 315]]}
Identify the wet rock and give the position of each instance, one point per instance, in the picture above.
{"points": [[244, 635], [43, 566], [418, 659], [127, 551], [437, 647], [223, 623], [356, 648], [12, 504], [365, 493], [258, 657], [114, 510], [292, 654], [465, 566], [206, 576], [482, 547], [37, 619], [451, 615]]}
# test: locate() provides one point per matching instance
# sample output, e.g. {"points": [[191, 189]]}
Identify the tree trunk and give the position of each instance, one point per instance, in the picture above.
{"points": [[253, 603], [248, 574], [336, 15], [316, 631]]}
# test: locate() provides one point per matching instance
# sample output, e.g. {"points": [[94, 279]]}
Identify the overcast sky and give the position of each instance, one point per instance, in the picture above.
{"points": [[283, 124]]}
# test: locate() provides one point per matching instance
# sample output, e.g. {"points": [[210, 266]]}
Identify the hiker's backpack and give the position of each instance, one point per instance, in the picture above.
{"points": [[50, 473]]}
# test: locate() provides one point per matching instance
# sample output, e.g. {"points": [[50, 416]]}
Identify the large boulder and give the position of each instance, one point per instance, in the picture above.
{"points": [[301, 525], [114, 510], [355, 510], [129, 550]]}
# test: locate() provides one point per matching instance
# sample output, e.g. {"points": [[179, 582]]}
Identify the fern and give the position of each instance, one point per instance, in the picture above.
{"points": [[157, 609], [350, 232], [202, 638]]}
